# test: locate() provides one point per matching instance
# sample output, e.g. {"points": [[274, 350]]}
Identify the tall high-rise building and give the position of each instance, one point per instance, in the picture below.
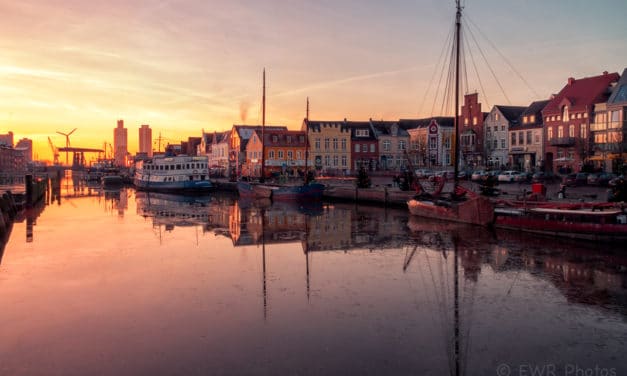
{"points": [[120, 144], [7, 139], [145, 140]]}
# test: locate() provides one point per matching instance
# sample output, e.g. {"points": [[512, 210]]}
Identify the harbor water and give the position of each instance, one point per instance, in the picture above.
{"points": [[133, 283]]}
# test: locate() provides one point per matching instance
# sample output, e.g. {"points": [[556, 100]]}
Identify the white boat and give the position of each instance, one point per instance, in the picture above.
{"points": [[179, 173]]}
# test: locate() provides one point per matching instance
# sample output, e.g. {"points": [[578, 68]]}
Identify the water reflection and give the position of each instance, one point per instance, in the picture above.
{"points": [[294, 288]]}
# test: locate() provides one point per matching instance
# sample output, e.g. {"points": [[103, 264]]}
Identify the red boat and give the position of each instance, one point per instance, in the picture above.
{"points": [[606, 222]]}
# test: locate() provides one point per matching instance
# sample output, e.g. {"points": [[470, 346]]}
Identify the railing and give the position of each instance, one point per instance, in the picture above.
{"points": [[562, 141]]}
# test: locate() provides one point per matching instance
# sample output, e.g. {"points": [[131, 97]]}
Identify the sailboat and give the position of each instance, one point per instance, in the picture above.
{"points": [[248, 189], [462, 206]]}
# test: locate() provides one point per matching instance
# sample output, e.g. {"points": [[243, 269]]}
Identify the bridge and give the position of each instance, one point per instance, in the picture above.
{"points": [[78, 155]]}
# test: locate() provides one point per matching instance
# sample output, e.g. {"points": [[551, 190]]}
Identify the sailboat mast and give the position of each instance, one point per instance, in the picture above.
{"points": [[263, 127], [307, 142], [458, 22]]}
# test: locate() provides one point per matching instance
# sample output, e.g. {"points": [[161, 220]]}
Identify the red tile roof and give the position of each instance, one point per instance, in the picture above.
{"points": [[581, 93]]}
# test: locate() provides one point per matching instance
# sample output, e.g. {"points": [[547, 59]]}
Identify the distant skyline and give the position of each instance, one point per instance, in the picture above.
{"points": [[184, 66]]}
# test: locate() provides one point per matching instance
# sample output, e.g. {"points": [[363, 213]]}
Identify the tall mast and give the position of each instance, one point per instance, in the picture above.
{"points": [[263, 126], [458, 22], [307, 143]]}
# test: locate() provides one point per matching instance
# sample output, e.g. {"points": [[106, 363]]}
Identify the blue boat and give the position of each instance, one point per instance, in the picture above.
{"points": [[179, 173], [311, 191]]}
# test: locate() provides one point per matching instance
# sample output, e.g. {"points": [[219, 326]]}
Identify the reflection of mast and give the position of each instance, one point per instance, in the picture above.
{"points": [[307, 245], [456, 304], [263, 255]]}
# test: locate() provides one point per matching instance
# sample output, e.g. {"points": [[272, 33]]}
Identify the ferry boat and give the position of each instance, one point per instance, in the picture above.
{"points": [[178, 173]]}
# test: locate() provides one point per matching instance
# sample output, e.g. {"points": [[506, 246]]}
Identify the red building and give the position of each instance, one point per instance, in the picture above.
{"points": [[567, 119], [365, 146], [471, 131]]}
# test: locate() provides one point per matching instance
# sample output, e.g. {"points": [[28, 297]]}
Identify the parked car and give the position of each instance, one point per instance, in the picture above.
{"points": [[478, 175], [613, 182], [543, 177], [576, 179], [600, 178], [422, 173], [511, 176]]}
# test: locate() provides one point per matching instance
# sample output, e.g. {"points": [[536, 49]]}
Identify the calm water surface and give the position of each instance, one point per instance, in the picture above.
{"points": [[130, 283]]}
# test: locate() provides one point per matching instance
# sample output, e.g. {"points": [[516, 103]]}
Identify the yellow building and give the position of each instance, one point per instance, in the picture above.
{"points": [[329, 146]]}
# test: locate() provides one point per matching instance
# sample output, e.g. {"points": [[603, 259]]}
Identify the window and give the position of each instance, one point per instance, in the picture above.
{"points": [[344, 161], [401, 145], [335, 144], [496, 116], [532, 118], [372, 149], [583, 131], [271, 154], [362, 133], [503, 127], [465, 121], [503, 146], [433, 143], [513, 143], [317, 143], [386, 145], [496, 143], [301, 139], [327, 142], [536, 137], [474, 120], [289, 139], [560, 131], [571, 130], [528, 137], [357, 148], [290, 155], [275, 138], [335, 160], [549, 133], [525, 119], [327, 160], [280, 154], [579, 116], [343, 144]]}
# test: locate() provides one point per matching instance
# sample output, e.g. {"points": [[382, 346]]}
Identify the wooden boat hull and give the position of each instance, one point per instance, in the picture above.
{"points": [[251, 190], [477, 210]]}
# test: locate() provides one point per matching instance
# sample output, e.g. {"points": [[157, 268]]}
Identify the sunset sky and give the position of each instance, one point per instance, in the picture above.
{"points": [[184, 66]]}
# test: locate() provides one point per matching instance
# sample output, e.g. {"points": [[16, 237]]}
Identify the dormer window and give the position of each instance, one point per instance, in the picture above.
{"points": [[361, 132], [275, 138]]}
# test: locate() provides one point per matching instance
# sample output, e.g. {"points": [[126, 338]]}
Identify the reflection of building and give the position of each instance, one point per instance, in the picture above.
{"points": [[174, 210]]}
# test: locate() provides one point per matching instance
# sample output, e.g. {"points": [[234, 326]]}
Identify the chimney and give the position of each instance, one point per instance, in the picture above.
{"points": [[571, 81], [605, 73]]}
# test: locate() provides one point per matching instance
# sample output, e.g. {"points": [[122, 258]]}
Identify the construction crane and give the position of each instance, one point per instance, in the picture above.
{"points": [[55, 152], [67, 144]]}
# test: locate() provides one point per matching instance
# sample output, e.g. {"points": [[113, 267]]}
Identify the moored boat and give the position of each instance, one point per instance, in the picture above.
{"points": [[311, 191], [179, 173], [605, 222], [253, 190]]}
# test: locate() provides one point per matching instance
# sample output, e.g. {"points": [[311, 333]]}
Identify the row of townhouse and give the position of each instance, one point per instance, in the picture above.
{"points": [[583, 125]]}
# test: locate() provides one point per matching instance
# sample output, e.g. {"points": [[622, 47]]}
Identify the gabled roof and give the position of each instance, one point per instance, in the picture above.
{"points": [[355, 125], [535, 109], [442, 121], [619, 94], [245, 131], [511, 113], [315, 125], [282, 136], [384, 128], [582, 93]]}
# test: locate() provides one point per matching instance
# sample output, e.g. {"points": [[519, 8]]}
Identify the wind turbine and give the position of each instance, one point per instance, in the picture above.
{"points": [[67, 143]]}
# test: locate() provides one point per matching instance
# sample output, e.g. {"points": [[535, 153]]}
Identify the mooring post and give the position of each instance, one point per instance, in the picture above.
{"points": [[28, 182]]}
